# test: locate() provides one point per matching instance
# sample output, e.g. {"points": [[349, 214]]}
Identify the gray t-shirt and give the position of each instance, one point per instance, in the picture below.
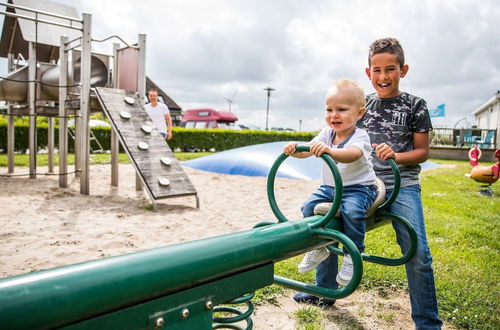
{"points": [[393, 121]]}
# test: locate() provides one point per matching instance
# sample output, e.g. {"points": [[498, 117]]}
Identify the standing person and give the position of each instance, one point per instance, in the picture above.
{"points": [[398, 124], [160, 114], [350, 147]]}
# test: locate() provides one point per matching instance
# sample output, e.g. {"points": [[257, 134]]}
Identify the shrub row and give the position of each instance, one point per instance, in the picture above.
{"points": [[21, 138], [218, 139], [183, 139]]}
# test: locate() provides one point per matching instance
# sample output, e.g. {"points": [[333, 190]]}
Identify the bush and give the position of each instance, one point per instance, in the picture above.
{"points": [[202, 139], [219, 139], [21, 137]]}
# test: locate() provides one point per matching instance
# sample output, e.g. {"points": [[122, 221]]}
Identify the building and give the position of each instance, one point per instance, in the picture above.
{"points": [[487, 116]]}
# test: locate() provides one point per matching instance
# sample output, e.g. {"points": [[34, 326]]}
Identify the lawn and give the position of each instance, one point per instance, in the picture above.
{"points": [[463, 234], [42, 159]]}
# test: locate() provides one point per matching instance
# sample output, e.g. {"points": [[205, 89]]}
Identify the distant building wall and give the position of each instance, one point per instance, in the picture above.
{"points": [[487, 115], [460, 154]]}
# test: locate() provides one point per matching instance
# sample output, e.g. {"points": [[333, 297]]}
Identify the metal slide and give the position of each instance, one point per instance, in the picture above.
{"points": [[155, 163]]}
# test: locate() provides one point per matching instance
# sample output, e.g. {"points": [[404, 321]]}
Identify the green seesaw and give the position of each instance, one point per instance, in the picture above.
{"points": [[182, 286]]}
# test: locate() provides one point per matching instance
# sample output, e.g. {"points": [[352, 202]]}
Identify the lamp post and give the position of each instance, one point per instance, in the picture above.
{"points": [[268, 89]]}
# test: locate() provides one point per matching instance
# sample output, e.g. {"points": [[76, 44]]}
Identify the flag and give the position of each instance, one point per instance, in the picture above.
{"points": [[438, 112]]}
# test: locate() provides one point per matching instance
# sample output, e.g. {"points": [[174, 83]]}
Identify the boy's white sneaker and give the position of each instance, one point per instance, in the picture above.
{"points": [[345, 274], [312, 259]]}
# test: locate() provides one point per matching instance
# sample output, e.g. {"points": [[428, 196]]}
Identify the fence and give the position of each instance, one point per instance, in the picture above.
{"points": [[464, 138]]}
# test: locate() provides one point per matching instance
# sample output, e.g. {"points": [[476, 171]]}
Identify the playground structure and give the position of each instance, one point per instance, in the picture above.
{"points": [[487, 174], [182, 286], [60, 78]]}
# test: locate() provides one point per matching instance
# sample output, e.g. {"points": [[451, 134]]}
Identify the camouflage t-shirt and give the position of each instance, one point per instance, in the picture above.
{"points": [[393, 121]]}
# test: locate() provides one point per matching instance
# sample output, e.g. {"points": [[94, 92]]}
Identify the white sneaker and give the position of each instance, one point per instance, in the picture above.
{"points": [[345, 274], [312, 259]]}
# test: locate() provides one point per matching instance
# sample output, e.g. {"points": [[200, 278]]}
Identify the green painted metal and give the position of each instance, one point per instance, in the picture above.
{"points": [[106, 285], [342, 292], [336, 177], [198, 300], [397, 184], [333, 227], [224, 321], [389, 261]]}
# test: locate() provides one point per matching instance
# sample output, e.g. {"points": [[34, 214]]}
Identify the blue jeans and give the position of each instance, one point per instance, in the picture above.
{"points": [[424, 308], [356, 199]]}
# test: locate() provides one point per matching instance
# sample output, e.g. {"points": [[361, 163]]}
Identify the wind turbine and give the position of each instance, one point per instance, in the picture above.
{"points": [[230, 100]]}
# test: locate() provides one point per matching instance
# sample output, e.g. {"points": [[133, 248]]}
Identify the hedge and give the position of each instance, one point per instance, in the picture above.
{"points": [[183, 139]]}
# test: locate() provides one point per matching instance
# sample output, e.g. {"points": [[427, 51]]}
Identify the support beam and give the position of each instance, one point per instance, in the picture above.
{"points": [[115, 143], [50, 144], [63, 120], [141, 88], [85, 103], [32, 107], [10, 122], [10, 139]]}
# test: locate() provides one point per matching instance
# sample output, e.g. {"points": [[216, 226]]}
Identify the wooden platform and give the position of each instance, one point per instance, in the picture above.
{"points": [[147, 163]]}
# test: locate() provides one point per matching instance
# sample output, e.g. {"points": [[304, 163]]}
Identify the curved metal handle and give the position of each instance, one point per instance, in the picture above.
{"points": [[336, 176], [390, 261], [357, 264], [395, 190]]}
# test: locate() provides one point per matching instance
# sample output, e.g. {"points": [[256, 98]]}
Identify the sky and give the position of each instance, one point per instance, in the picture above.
{"points": [[202, 53]]}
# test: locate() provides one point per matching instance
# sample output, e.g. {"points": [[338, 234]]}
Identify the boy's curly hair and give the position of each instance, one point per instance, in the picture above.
{"points": [[387, 45]]}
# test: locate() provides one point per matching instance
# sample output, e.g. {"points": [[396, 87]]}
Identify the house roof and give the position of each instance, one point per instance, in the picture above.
{"points": [[168, 100], [484, 106]]}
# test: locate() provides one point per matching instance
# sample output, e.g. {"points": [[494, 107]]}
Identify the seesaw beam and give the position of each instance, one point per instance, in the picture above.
{"points": [[63, 296]]}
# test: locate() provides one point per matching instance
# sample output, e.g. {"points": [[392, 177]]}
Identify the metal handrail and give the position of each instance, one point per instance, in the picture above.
{"points": [[36, 11]]}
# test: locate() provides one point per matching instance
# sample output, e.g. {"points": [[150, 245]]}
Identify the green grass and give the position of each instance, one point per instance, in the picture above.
{"points": [[42, 159], [463, 234], [268, 295], [309, 318]]}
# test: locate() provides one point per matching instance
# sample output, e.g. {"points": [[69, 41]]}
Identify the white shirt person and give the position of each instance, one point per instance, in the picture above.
{"points": [[160, 114]]}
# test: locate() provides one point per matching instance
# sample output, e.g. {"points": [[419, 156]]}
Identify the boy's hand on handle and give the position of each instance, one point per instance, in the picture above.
{"points": [[289, 148], [384, 151], [319, 148]]}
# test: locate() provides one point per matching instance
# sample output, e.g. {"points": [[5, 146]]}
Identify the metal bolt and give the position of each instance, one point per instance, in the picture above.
{"points": [[160, 322], [209, 305], [185, 313]]}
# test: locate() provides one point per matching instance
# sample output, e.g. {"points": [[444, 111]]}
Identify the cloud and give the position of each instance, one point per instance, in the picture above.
{"points": [[201, 52]]}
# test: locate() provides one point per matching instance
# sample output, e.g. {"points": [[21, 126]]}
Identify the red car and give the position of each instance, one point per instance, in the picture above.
{"points": [[209, 118]]}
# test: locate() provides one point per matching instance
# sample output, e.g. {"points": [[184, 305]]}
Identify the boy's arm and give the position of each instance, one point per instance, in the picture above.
{"points": [[344, 155], [418, 155]]}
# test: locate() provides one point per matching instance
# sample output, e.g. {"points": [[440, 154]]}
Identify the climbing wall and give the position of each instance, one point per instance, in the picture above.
{"points": [[154, 161]]}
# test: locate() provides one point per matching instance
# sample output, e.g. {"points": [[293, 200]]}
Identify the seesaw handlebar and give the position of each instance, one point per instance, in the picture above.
{"points": [[335, 235], [338, 186]]}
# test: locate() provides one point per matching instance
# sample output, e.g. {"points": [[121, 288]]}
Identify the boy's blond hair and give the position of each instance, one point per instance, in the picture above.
{"points": [[343, 83]]}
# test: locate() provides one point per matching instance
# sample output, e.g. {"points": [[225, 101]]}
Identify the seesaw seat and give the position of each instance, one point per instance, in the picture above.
{"points": [[323, 208]]}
